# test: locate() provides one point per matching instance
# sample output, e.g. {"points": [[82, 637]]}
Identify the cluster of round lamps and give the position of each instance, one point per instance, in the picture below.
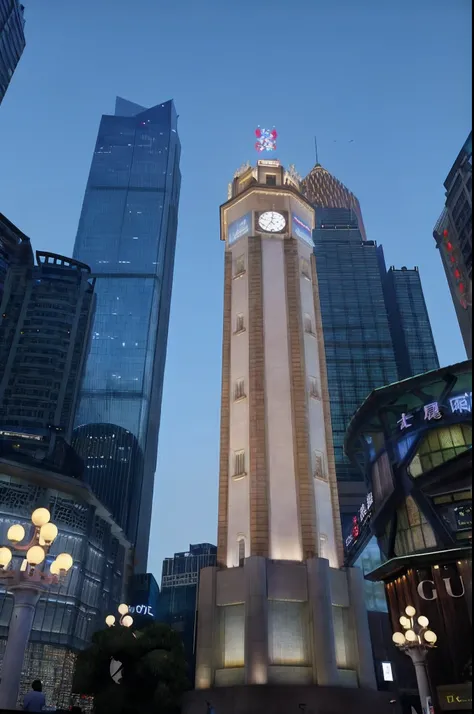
{"points": [[126, 620], [415, 634], [45, 534]]}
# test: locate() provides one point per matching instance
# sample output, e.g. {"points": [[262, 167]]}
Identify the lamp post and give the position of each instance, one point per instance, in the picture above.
{"points": [[125, 620], [26, 580], [416, 641]]}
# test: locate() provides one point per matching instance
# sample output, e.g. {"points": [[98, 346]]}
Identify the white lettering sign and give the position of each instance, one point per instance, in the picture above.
{"points": [[432, 593], [142, 610], [461, 404]]}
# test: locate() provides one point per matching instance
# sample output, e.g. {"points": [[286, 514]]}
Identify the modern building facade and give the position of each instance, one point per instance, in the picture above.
{"points": [[453, 236], [65, 619], [15, 247], [45, 319], [127, 234], [144, 597], [413, 341], [413, 442], [358, 340], [279, 623], [179, 590], [12, 40], [368, 315]]}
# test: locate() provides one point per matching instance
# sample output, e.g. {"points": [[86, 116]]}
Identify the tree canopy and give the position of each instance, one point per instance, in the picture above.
{"points": [[153, 673]]}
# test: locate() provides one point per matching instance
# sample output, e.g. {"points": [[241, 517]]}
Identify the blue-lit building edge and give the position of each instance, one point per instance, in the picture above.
{"points": [[12, 41]]}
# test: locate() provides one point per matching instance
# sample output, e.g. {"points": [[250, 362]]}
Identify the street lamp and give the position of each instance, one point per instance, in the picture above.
{"points": [[26, 580], [416, 641], [126, 620]]}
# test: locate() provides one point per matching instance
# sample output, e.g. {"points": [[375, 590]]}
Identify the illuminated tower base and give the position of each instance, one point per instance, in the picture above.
{"points": [[279, 623]]}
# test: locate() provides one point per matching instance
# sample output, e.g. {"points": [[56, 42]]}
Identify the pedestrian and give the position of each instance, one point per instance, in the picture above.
{"points": [[35, 700], [210, 708]]}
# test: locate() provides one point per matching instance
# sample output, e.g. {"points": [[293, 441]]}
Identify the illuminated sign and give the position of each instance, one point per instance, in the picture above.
{"points": [[457, 697], [142, 610], [269, 163], [266, 139], [239, 229], [387, 672], [361, 520], [21, 435], [302, 231], [432, 594], [460, 404]]}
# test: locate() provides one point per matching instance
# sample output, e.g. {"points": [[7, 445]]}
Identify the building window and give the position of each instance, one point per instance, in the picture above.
{"points": [[323, 546], [314, 388], [239, 464], [239, 323], [319, 467], [308, 324], [271, 180], [305, 269], [241, 547], [239, 266], [239, 389]]}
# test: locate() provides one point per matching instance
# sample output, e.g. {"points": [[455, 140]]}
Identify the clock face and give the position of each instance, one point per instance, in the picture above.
{"points": [[271, 222]]}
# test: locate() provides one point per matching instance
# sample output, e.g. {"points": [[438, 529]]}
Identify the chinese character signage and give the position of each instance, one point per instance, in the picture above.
{"points": [[239, 229], [455, 698], [302, 230], [361, 520], [460, 404]]}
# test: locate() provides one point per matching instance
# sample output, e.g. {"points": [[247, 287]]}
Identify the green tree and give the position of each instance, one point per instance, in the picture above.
{"points": [[153, 673]]}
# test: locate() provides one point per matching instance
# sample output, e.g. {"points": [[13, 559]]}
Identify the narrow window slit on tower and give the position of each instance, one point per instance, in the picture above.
{"points": [[239, 464], [239, 389]]}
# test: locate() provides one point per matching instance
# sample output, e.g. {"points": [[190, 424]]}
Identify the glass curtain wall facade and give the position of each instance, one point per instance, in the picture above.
{"points": [[415, 349], [15, 247], [127, 234], [358, 341], [65, 619], [179, 590], [12, 40], [45, 318], [376, 326]]}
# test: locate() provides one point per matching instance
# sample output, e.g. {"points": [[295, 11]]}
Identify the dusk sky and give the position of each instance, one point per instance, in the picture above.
{"points": [[384, 85]]}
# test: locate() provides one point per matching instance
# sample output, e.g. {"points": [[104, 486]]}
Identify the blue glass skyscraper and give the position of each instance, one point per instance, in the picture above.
{"points": [[367, 345], [12, 40], [415, 349], [127, 234]]}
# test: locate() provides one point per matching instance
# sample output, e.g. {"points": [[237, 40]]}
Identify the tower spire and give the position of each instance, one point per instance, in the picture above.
{"points": [[316, 150]]}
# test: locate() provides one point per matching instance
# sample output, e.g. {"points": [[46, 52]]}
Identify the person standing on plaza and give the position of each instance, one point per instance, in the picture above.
{"points": [[35, 700]]}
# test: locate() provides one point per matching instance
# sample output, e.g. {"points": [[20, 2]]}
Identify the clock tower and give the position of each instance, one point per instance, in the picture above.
{"points": [[278, 610]]}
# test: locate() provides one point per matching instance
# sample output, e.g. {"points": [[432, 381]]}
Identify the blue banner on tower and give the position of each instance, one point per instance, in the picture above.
{"points": [[240, 228], [302, 230]]}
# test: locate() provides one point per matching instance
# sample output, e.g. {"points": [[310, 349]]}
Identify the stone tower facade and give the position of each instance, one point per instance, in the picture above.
{"points": [[278, 611]]}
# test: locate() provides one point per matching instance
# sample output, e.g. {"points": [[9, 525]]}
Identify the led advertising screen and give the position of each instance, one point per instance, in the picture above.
{"points": [[302, 230], [239, 229]]}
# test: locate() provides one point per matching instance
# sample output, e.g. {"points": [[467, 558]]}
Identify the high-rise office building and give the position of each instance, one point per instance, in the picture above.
{"points": [[127, 234], [15, 247], [45, 319], [357, 336], [279, 623], [453, 236], [413, 341], [179, 589], [12, 40], [370, 319]]}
